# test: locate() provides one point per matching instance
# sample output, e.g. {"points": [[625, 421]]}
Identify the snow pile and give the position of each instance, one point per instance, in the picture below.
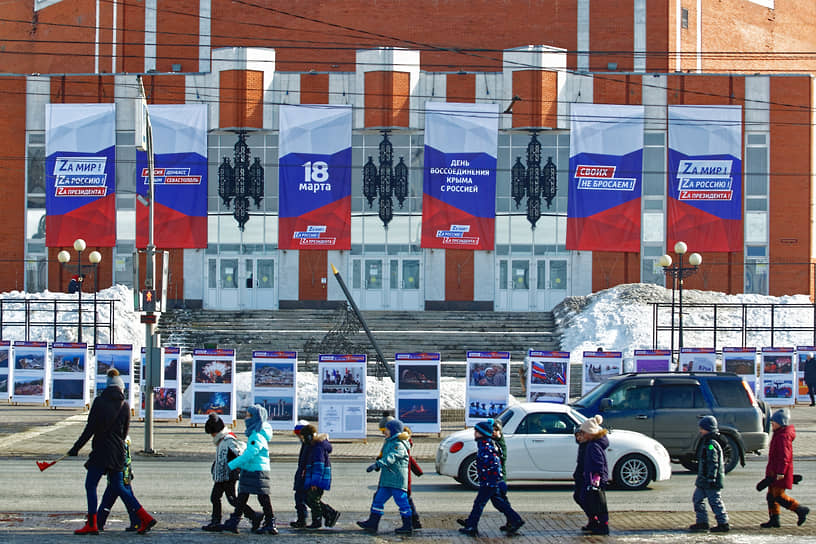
{"points": [[620, 319]]}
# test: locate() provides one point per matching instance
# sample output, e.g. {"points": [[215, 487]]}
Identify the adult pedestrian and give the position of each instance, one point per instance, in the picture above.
{"points": [[596, 475], [108, 424], [779, 471], [810, 377]]}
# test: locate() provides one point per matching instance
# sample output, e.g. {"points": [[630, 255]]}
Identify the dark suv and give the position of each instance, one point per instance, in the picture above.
{"points": [[667, 406]]}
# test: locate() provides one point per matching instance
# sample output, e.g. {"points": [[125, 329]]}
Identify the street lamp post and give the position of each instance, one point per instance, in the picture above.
{"points": [[95, 258], [678, 272], [64, 257]]}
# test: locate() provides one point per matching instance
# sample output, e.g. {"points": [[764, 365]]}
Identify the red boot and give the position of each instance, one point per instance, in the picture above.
{"points": [[90, 526], [146, 521]]}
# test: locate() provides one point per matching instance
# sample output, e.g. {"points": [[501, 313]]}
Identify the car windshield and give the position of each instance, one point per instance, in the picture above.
{"points": [[595, 395], [505, 416]]}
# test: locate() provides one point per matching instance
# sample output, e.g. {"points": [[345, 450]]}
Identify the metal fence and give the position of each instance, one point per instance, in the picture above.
{"points": [[58, 320], [734, 325]]}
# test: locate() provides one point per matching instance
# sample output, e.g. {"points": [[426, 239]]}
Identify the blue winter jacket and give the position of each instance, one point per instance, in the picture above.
{"points": [[394, 462], [256, 455], [318, 468], [488, 463], [595, 459]]}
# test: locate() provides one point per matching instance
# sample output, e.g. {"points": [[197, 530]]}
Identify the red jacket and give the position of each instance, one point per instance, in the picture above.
{"points": [[780, 456]]}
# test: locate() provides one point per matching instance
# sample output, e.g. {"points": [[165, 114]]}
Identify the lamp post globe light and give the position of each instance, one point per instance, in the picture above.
{"points": [[678, 271], [64, 257], [95, 258]]}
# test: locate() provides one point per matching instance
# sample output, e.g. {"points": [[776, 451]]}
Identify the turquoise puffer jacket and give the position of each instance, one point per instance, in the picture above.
{"points": [[256, 455], [394, 462]]}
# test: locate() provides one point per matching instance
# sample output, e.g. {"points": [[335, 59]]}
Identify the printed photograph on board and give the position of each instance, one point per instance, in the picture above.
{"points": [[342, 379], [164, 398], [107, 359], [485, 406], [213, 371], [652, 365], [601, 371], [741, 365], [3, 383], [278, 408], [488, 374], [777, 364], [27, 386], [417, 377], [170, 367], [699, 364], [4, 358], [29, 361], [274, 374], [775, 388], [102, 383], [67, 389], [212, 402], [418, 410], [74, 362], [548, 372], [548, 396]]}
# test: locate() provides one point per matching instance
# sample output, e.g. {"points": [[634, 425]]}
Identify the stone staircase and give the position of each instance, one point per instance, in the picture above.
{"points": [[451, 333]]}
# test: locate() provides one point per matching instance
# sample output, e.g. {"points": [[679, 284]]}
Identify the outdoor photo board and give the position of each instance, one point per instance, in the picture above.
{"points": [[341, 395], [599, 366], [120, 357], [213, 385], [167, 399], [5, 369], [274, 386], [548, 376], [488, 385], [777, 376], [653, 360], [416, 391], [743, 362], [69, 373], [698, 360], [30, 373], [803, 353]]}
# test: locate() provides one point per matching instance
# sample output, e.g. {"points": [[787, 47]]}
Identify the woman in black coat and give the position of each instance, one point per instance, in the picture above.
{"points": [[108, 423]]}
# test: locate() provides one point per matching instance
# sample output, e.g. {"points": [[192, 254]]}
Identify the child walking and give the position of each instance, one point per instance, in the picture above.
{"points": [[416, 470], [709, 483], [393, 468], [596, 475], [227, 448], [491, 484], [299, 485], [779, 471], [110, 495], [254, 478], [318, 478]]}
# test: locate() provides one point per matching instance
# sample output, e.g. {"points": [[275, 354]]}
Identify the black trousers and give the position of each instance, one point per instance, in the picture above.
{"points": [[242, 508], [219, 490]]}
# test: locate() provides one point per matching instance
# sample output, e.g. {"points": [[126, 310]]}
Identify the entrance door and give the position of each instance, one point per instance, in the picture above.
{"points": [[313, 275], [222, 283], [513, 285], [458, 274], [257, 284]]}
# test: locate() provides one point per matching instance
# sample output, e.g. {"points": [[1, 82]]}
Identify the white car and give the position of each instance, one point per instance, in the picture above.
{"points": [[541, 446]]}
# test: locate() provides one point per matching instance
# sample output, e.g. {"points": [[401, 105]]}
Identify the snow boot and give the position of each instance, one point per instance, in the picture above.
{"points": [[721, 528], [317, 522], [231, 525], [469, 531], [256, 520], [300, 522], [101, 518], [134, 521], [269, 528], [512, 528], [773, 522], [330, 515], [213, 527], [407, 527], [371, 524], [699, 527], [802, 513], [90, 527], [415, 523], [601, 529], [146, 521]]}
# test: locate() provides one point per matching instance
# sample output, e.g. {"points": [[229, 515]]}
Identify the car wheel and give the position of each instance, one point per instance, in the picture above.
{"points": [[468, 474], [632, 472], [731, 452]]}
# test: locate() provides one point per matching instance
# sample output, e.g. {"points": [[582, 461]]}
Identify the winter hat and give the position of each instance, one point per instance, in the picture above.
{"points": [[394, 426], [592, 425], [308, 432], [708, 423], [256, 419], [385, 419], [781, 416], [214, 424], [114, 380], [299, 426], [485, 427]]}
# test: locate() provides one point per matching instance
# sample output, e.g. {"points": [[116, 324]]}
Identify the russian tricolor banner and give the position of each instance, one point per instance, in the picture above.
{"points": [[606, 157], [80, 174], [459, 192], [315, 177], [179, 177], [705, 177]]}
